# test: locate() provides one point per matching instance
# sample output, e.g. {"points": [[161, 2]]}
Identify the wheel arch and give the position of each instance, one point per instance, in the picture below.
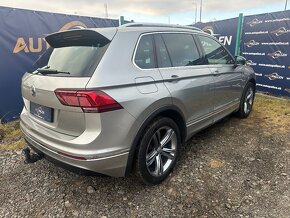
{"points": [[169, 111]]}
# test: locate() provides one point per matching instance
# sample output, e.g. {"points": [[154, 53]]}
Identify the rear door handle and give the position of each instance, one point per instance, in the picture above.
{"points": [[174, 78], [216, 73]]}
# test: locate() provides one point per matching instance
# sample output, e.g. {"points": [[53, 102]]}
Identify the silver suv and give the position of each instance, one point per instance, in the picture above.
{"points": [[110, 100]]}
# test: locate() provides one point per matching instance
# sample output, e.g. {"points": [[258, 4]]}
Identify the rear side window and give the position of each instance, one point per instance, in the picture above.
{"points": [[163, 58], [215, 52], [144, 57], [182, 49], [78, 55]]}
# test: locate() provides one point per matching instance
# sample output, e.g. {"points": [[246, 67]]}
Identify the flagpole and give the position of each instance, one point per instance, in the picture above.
{"points": [[195, 9], [200, 12]]}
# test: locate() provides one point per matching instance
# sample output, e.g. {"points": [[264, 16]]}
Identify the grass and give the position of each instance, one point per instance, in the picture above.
{"points": [[270, 113], [11, 136]]}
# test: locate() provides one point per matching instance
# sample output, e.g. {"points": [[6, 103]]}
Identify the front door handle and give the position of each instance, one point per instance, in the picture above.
{"points": [[174, 76]]}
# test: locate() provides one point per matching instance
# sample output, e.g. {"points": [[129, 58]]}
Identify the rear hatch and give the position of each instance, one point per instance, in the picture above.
{"points": [[67, 65]]}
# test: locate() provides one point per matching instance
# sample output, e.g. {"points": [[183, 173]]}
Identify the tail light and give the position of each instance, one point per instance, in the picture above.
{"points": [[89, 101]]}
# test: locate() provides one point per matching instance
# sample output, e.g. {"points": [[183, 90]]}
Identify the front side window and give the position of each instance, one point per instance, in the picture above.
{"points": [[144, 57], [215, 52], [182, 49]]}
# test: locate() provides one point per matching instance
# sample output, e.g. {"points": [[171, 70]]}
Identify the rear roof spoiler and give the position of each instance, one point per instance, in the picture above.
{"points": [[83, 37]]}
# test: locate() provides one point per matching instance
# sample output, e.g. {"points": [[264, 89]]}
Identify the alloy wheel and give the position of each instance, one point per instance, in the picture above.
{"points": [[161, 151], [248, 103]]}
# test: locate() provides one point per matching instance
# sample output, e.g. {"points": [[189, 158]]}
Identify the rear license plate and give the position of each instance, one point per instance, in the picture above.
{"points": [[42, 112]]}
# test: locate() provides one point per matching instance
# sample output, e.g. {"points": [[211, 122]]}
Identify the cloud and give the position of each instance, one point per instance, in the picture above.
{"points": [[238, 5], [142, 7]]}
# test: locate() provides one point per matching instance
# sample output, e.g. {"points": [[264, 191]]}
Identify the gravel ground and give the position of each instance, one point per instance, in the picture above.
{"points": [[236, 168]]}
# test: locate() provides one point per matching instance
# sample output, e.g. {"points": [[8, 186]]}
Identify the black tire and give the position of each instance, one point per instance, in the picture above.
{"points": [[152, 150], [243, 112]]}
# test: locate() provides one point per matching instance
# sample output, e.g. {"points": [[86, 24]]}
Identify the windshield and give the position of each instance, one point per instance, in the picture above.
{"points": [[77, 60]]}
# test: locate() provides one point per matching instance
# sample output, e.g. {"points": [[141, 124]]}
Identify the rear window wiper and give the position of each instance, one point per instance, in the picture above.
{"points": [[45, 71]]}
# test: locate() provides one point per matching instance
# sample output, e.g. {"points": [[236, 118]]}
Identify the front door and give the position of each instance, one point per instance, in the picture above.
{"points": [[189, 82], [227, 78]]}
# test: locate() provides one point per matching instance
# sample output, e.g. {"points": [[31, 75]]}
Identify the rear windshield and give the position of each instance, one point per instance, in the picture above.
{"points": [[78, 58]]}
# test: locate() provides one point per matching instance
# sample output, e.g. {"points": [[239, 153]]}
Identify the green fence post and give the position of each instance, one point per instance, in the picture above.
{"points": [[121, 20], [239, 34]]}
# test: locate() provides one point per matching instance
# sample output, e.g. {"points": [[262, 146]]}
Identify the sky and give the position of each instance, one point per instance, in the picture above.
{"points": [[158, 11]]}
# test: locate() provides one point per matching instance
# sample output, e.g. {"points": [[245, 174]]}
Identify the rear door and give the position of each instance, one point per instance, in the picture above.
{"points": [[227, 80], [67, 65], [189, 82]]}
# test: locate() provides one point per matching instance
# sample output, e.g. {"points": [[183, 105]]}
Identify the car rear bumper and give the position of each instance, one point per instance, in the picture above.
{"points": [[114, 165]]}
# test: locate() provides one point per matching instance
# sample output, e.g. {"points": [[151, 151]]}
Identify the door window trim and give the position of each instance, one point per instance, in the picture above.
{"points": [[201, 52]]}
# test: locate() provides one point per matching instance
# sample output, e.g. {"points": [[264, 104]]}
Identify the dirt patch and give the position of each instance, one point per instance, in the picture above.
{"points": [[236, 168]]}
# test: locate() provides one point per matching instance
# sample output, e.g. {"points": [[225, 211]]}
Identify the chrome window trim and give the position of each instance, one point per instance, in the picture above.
{"points": [[157, 68]]}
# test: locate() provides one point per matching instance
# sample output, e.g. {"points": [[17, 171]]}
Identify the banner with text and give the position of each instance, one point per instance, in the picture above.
{"points": [[225, 31], [265, 45], [22, 42]]}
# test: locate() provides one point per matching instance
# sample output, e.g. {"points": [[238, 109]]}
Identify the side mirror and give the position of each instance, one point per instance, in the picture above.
{"points": [[240, 60]]}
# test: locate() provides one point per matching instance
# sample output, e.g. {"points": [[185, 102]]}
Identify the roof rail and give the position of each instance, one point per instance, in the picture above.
{"points": [[160, 25]]}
